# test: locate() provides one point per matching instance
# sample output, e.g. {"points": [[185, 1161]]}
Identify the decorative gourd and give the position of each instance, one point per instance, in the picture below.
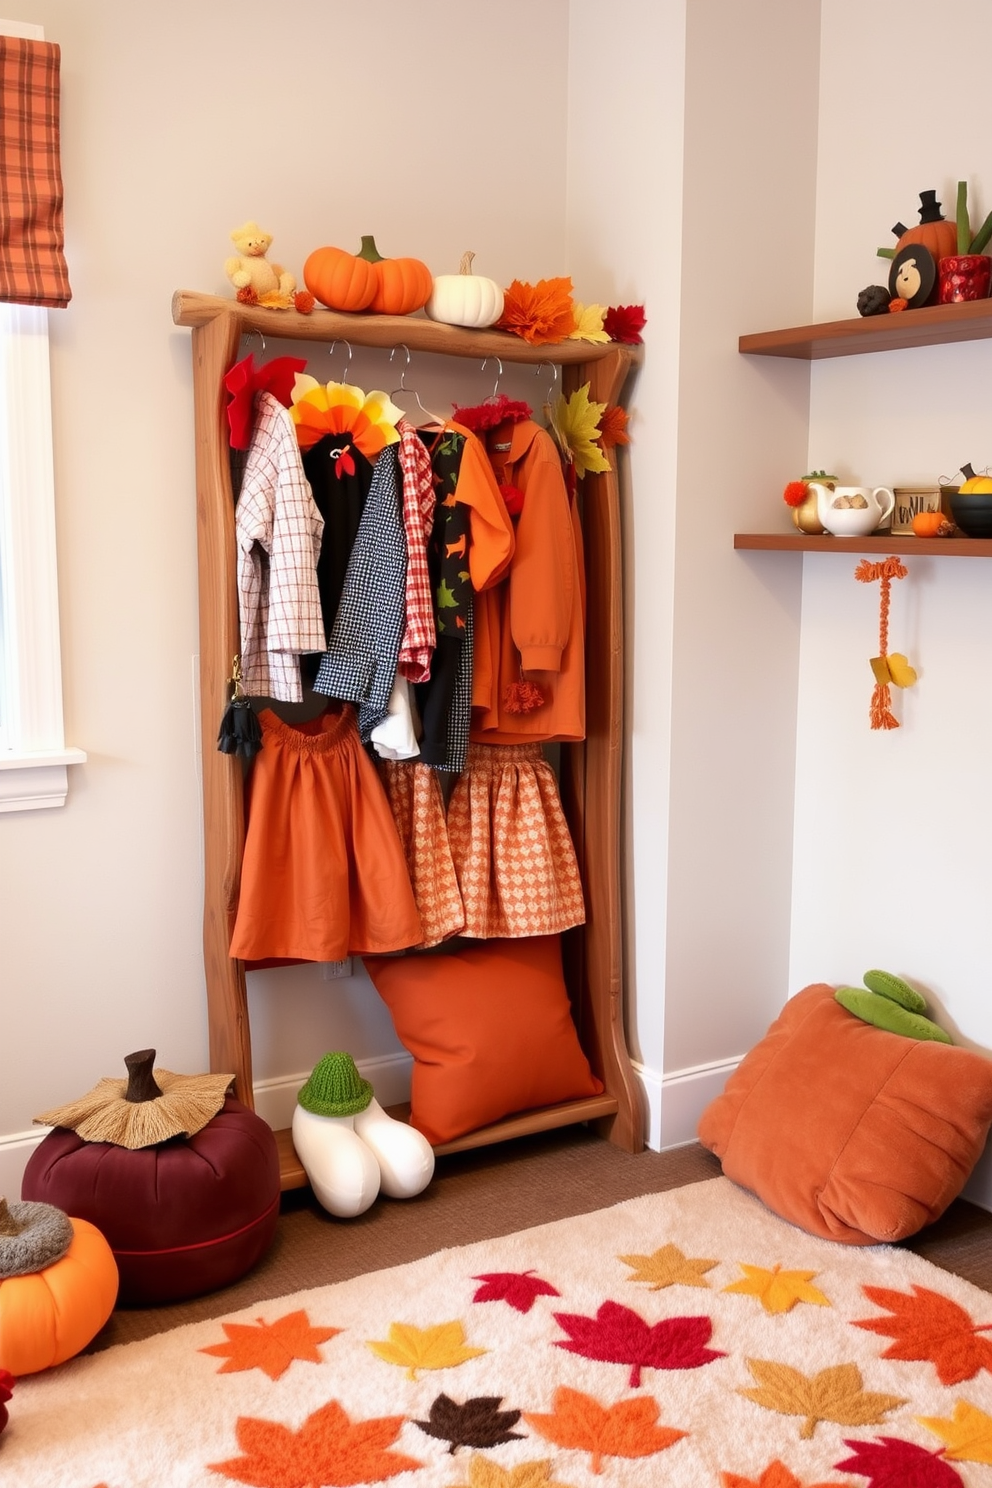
{"points": [[931, 524], [402, 284], [973, 482], [340, 280], [58, 1286], [465, 299]]}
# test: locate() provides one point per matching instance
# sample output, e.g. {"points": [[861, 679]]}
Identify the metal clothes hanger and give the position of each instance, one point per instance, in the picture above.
{"points": [[493, 395], [433, 418], [330, 353]]}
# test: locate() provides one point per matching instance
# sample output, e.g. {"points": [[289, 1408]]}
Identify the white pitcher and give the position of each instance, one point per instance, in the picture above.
{"points": [[853, 521]]}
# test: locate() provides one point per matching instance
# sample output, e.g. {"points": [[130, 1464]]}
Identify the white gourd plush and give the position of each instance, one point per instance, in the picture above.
{"points": [[349, 1147], [465, 299]]}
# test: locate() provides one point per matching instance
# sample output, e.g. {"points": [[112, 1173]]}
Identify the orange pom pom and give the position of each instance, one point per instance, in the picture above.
{"points": [[795, 493]]}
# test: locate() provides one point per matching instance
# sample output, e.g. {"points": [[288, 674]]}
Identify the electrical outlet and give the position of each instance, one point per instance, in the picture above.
{"points": [[335, 969]]}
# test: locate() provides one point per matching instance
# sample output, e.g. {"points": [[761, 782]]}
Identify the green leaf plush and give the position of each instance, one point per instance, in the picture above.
{"points": [[887, 984], [872, 1007]]}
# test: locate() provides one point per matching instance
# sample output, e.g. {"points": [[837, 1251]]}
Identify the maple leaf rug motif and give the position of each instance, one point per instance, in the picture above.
{"points": [[688, 1339]]}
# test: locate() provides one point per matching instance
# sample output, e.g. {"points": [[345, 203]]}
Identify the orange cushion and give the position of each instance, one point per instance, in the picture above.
{"points": [[490, 1030], [847, 1130]]}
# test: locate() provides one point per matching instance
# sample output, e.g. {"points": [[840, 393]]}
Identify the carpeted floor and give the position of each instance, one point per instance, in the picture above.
{"points": [[494, 1191]]}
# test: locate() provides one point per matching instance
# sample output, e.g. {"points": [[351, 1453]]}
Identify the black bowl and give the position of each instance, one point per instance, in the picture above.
{"points": [[972, 512]]}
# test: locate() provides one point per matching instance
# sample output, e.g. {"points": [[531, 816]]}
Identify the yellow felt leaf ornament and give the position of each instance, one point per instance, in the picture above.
{"points": [[588, 323], [967, 1436], [668, 1267], [574, 422], [778, 1290], [412, 1348]]}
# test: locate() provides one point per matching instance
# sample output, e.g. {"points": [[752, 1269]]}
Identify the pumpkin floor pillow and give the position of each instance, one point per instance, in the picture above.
{"points": [[184, 1216], [848, 1130]]}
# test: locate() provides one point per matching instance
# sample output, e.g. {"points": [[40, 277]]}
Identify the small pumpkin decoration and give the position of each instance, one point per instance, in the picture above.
{"points": [[931, 524], [465, 299], [933, 232], [58, 1286], [973, 483], [340, 280], [403, 284]]}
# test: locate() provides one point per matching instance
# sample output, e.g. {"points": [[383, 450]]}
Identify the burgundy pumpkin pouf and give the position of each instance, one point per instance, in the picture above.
{"points": [[182, 1217]]}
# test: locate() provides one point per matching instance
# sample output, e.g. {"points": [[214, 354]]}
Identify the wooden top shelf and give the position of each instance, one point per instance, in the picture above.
{"points": [[913, 547], [415, 331], [933, 325]]}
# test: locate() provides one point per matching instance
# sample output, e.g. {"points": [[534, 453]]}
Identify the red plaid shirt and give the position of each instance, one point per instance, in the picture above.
{"points": [[419, 635], [32, 265]]}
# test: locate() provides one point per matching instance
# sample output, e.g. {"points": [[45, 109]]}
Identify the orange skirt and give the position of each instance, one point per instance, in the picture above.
{"points": [[414, 794], [323, 874], [511, 846]]}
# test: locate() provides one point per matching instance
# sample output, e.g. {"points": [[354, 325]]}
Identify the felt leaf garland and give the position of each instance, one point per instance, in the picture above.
{"points": [[341, 408], [929, 1327], [778, 1290], [271, 1347], [575, 426], [412, 1348], [835, 1394], [627, 1429], [967, 1436], [589, 323], [478, 1422], [328, 1448], [519, 1288], [668, 1267], [618, 1335], [539, 313]]}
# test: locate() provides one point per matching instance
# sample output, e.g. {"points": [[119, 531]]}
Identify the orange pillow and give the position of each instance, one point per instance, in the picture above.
{"points": [[847, 1130], [490, 1030]]}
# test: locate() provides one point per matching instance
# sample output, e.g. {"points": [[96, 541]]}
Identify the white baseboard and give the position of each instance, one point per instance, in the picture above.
{"points": [[15, 1150], [675, 1102]]}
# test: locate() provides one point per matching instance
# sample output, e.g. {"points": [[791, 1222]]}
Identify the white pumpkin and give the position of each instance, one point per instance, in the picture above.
{"points": [[465, 299]]}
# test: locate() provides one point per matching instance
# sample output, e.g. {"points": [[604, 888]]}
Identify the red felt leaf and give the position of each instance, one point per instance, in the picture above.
{"points": [[618, 1335], [625, 323], [892, 1463], [519, 1288], [929, 1327]]}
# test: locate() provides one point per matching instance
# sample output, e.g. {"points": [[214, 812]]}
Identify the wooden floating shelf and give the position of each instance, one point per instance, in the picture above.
{"points": [[912, 547], [546, 1118], [933, 325]]}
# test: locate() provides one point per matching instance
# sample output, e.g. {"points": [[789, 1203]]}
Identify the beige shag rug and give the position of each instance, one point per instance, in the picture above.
{"points": [[688, 1339]]}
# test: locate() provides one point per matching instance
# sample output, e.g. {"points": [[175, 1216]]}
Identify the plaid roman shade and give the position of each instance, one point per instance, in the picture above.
{"points": [[32, 265]]}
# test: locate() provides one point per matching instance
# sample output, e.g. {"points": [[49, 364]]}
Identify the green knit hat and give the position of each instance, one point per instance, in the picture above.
{"points": [[335, 1088]]}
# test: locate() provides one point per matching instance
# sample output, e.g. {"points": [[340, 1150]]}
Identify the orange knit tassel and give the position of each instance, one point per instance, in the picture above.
{"points": [[879, 713]]}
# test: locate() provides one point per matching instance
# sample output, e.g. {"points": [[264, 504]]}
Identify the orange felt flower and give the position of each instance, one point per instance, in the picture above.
{"points": [[539, 313]]}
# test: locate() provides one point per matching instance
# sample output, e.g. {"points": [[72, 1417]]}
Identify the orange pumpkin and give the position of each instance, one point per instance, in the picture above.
{"points": [[404, 284], [54, 1297], [340, 280], [930, 524]]}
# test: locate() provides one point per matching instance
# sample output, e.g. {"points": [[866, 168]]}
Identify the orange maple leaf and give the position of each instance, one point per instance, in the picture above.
{"points": [[271, 1347], [613, 426], [775, 1475], [539, 313], [626, 1429], [929, 1327], [329, 1448]]}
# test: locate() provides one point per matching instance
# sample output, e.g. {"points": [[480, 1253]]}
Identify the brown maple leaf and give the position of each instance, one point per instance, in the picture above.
{"points": [[626, 1429], [328, 1448], [775, 1475], [835, 1394], [929, 1327], [271, 1347]]}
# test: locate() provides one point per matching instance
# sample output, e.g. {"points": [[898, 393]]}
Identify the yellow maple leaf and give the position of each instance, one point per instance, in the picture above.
{"points": [[440, 1347], [588, 323], [668, 1267], [483, 1473], [968, 1434], [778, 1290], [575, 425], [836, 1394]]}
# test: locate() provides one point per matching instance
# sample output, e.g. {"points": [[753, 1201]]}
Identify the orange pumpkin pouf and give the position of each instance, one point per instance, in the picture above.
{"points": [[58, 1286]]}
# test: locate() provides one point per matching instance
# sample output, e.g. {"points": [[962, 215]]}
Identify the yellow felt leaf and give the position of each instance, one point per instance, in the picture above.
{"points": [[484, 1473], [668, 1267], [575, 424], [967, 1435], [902, 674], [778, 1290], [589, 323], [412, 1348], [835, 1394]]}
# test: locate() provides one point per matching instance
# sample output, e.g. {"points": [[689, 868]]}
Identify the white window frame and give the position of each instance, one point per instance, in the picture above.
{"points": [[34, 758]]}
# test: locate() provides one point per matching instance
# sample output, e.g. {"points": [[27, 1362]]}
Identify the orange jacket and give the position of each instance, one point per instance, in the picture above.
{"points": [[531, 626]]}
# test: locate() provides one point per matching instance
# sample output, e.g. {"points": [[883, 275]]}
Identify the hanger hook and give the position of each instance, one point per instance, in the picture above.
{"points": [[499, 373], [554, 378], [402, 346], [330, 353], [254, 331]]}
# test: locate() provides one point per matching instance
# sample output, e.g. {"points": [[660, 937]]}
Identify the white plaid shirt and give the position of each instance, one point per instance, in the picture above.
{"points": [[419, 634], [278, 529]]}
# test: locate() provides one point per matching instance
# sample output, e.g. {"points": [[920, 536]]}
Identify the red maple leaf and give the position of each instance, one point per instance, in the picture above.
{"points": [[929, 1327], [519, 1288], [625, 323], [618, 1335], [892, 1463]]}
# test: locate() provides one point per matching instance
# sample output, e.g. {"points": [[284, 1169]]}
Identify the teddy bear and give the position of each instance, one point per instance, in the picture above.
{"points": [[257, 281]]}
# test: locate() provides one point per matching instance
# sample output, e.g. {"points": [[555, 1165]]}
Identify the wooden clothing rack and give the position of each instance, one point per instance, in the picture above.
{"points": [[590, 770]]}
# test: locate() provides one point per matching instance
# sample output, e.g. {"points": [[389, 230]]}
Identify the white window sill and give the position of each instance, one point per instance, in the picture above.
{"points": [[38, 780]]}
